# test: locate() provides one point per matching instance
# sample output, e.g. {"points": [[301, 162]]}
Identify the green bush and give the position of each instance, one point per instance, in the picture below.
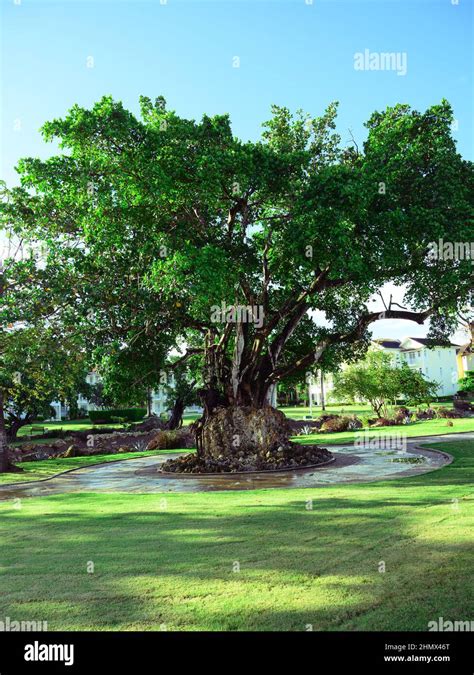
{"points": [[466, 384], [109, 416]]}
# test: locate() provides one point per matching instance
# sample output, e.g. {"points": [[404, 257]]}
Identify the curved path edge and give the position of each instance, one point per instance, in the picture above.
{"points": [[433, 438]]}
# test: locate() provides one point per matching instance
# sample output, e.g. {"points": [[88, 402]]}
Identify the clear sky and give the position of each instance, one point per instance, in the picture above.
{"points": [[296, 53]]}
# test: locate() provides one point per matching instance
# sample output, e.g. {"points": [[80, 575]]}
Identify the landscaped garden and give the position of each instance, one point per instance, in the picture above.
{"points": [[128, 448], [380, 556], [168, 265]]}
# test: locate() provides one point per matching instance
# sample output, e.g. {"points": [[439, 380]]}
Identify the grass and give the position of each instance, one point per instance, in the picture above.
{"points": [[67, 425], [297, 413], [256, 560], [421, 428], [49, 467], [359, 409]]}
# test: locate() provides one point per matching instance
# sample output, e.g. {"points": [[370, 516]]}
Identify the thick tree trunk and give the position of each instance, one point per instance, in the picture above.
{"points": [[176, 418], [5, 464], [15, 426]]}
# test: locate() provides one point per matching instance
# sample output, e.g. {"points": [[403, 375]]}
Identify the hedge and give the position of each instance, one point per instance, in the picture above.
{"points": [[105, 416]]}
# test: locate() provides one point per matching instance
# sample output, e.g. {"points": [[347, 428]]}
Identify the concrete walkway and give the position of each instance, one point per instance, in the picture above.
{"points": [[141, 475]]}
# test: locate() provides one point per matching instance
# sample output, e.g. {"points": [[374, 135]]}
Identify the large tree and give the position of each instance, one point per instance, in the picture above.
{"points": [[167, 224]]}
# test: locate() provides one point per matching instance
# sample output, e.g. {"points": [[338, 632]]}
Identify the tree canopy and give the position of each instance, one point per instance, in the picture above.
{"points": [[171, 229]]}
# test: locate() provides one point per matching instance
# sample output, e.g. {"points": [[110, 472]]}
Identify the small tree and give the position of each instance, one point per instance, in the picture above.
{"points": [[293, 389], [378, 382], [414, 387], [38, 365], [184, 390]]}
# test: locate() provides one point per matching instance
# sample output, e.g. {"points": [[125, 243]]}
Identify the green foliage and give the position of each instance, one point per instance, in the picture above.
{"points": [[151, 222], [38, 365], [414, 387], [181, 382], [377, 381], [118, 415], [466, 384]]}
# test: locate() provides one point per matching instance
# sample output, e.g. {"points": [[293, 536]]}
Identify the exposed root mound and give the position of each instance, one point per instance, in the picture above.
{"points": [[290, 456], [243, 429]]}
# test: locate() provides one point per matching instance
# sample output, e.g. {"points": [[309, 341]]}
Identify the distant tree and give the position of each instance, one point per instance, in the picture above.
{"points": [[183, 389], [37, 366], [414, 387], [98, 397], [34, 299], [292, 389], [377, 381]]}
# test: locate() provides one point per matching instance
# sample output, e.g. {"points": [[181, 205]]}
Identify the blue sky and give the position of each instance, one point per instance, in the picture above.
{"points": [[292, 52]]}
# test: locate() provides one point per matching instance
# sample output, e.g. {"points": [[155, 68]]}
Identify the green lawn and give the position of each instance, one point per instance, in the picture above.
{"points": [[67, 425], [296, 413], [169, 560], [359, 409], [49, 467], [422, 428]]}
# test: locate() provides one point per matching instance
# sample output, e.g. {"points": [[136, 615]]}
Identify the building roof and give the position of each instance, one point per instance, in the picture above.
{"points": [[429, 342], [388, 343]]}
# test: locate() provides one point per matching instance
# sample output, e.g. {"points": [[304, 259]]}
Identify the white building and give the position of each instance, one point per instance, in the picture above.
{"points": [[158, 400], [437, 361]]}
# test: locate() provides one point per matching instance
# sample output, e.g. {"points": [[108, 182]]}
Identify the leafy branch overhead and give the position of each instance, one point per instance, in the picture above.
{"points": [[159, 220]]}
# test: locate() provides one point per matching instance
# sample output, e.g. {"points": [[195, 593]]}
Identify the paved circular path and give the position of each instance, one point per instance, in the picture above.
{"points": [[352, 465]]}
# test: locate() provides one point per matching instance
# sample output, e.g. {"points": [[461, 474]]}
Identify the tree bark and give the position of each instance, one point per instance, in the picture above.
{"points": [[176, 418], [149, 404], [4, 461], [15, 425]]}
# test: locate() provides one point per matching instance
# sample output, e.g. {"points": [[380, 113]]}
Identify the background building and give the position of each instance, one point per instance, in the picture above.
{"points": [[437, 361]]}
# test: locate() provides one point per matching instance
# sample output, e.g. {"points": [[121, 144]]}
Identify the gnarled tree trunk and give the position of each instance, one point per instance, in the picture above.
{"points": [[176, 418], [5, 464]]}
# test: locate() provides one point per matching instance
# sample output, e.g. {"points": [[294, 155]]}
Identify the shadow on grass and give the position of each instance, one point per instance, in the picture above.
{"points": [[270, 560]]}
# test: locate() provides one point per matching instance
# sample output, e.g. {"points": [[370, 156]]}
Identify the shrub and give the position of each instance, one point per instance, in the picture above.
{"points": [[448, 413], [336, 423], [166, 440], [402, 415], [428, 414], [382, 422], [466, 384], [127, 414], [463, 406], [324, 418]]}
